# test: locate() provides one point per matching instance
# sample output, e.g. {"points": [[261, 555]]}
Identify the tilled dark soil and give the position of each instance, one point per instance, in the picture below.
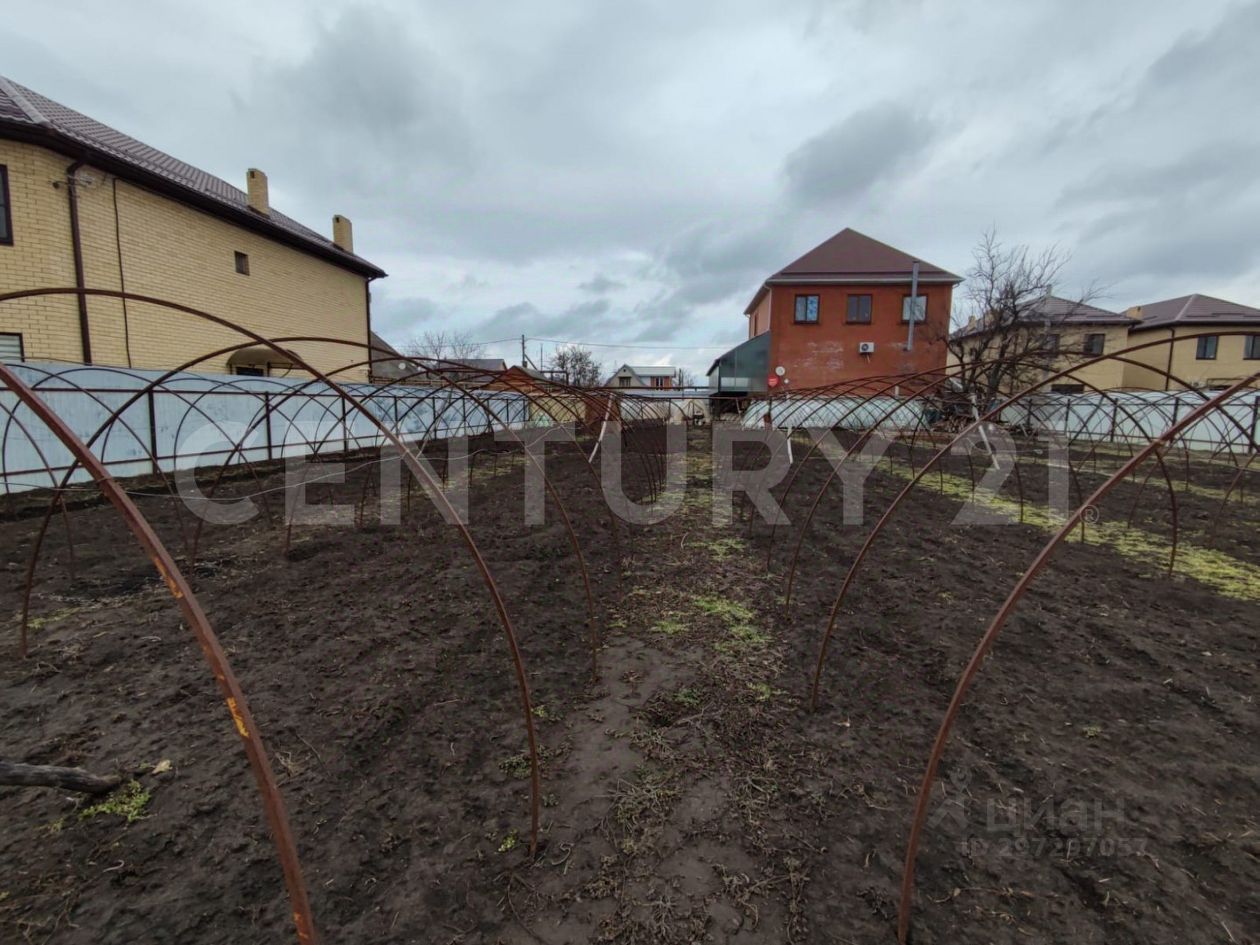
{"points": [[1102, 783]]}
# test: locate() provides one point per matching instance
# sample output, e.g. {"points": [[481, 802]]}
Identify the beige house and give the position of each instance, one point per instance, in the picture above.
{"points": [[1209, 357], [83, 205], [1074, 333], [653, 376]]}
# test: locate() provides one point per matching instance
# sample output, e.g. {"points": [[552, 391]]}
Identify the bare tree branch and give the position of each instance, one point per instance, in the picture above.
{"points": [[577, 364], [443, 344], [1012, 335]]}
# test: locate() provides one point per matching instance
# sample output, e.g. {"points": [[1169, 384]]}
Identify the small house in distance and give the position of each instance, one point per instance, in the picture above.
{"points": [[840, 312], [655, 376]]}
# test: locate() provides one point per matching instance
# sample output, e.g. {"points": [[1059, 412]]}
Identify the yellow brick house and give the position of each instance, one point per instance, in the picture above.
{"points": [[83, 205], [1214, 354], [1073, 333]]}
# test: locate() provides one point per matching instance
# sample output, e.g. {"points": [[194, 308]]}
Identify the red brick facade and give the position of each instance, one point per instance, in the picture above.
{"points": [[855, 290], [825, 352]]}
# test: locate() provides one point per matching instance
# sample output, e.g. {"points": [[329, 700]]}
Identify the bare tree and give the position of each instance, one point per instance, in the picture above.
{"points": [[577, 365], [686, 378], [1012, 337], [444, 344]]}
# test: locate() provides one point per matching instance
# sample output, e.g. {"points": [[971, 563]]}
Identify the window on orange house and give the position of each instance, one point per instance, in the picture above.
{"points": [[859, 311], [806, 310]]}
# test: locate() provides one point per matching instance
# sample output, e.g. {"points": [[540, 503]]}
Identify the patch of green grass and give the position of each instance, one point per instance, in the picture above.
{"points": [[541, 712], [1091, 731], [38, 623], [129, 801], [764, 692], [728, 611], [1222, 572], [688, 697], [671, 628], [510, 842], [721, 548], [516, 766], [744, 637]]}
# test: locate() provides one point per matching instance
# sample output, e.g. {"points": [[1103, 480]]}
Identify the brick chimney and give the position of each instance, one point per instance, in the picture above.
{"points": [[343, 233], [256, 187]]}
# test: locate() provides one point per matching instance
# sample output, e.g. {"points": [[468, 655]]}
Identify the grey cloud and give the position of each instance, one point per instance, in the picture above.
{"points": [[601, 284], [489, 152], [866, 148], [368, 108], [1205, 58], [400, 316], [1227, 167], [583, 321]]}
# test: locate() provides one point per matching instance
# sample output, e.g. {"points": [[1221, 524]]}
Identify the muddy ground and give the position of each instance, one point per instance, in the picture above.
{"points": [[1102, 784]]}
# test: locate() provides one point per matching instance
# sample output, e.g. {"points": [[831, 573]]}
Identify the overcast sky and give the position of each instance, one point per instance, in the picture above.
{"points": [[625, 172]]}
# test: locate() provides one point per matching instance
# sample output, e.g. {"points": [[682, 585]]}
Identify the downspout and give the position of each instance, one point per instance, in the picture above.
{"points": [[1172, 334], [367, 310], [76, 244], [122, 275]]}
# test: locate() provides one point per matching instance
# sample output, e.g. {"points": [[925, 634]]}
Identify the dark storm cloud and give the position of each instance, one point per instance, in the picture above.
{"points": [[870, 146]]}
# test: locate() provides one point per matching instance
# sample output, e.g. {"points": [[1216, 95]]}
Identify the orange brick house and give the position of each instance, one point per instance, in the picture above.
{"points": [[841, 312]]}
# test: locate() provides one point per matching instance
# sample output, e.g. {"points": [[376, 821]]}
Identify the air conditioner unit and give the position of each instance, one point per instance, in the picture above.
{"points": [[866, 347]]}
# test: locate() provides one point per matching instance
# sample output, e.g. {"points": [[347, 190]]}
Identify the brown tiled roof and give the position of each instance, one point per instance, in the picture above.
{"points": [[1192, 310], [852, 257], [1062, 311], [28, 115], [1059, 312]]}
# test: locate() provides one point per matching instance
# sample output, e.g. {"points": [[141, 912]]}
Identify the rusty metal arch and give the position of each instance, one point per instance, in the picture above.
{"points": [[990, 635], [985, 418], [436, 370], [992, 413], [166, 565], [233, 695]]}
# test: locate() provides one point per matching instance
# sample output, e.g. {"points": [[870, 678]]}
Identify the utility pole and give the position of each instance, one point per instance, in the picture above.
{"points": [[524, 357]]}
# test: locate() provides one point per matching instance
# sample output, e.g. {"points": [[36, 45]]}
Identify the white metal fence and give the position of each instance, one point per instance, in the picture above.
{"points": [[1120, 416], [198, 419]]}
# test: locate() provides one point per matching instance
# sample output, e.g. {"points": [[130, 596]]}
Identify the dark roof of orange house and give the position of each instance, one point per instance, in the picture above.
{"points": [[1191, 310], [27, 115], [852, 257]]}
